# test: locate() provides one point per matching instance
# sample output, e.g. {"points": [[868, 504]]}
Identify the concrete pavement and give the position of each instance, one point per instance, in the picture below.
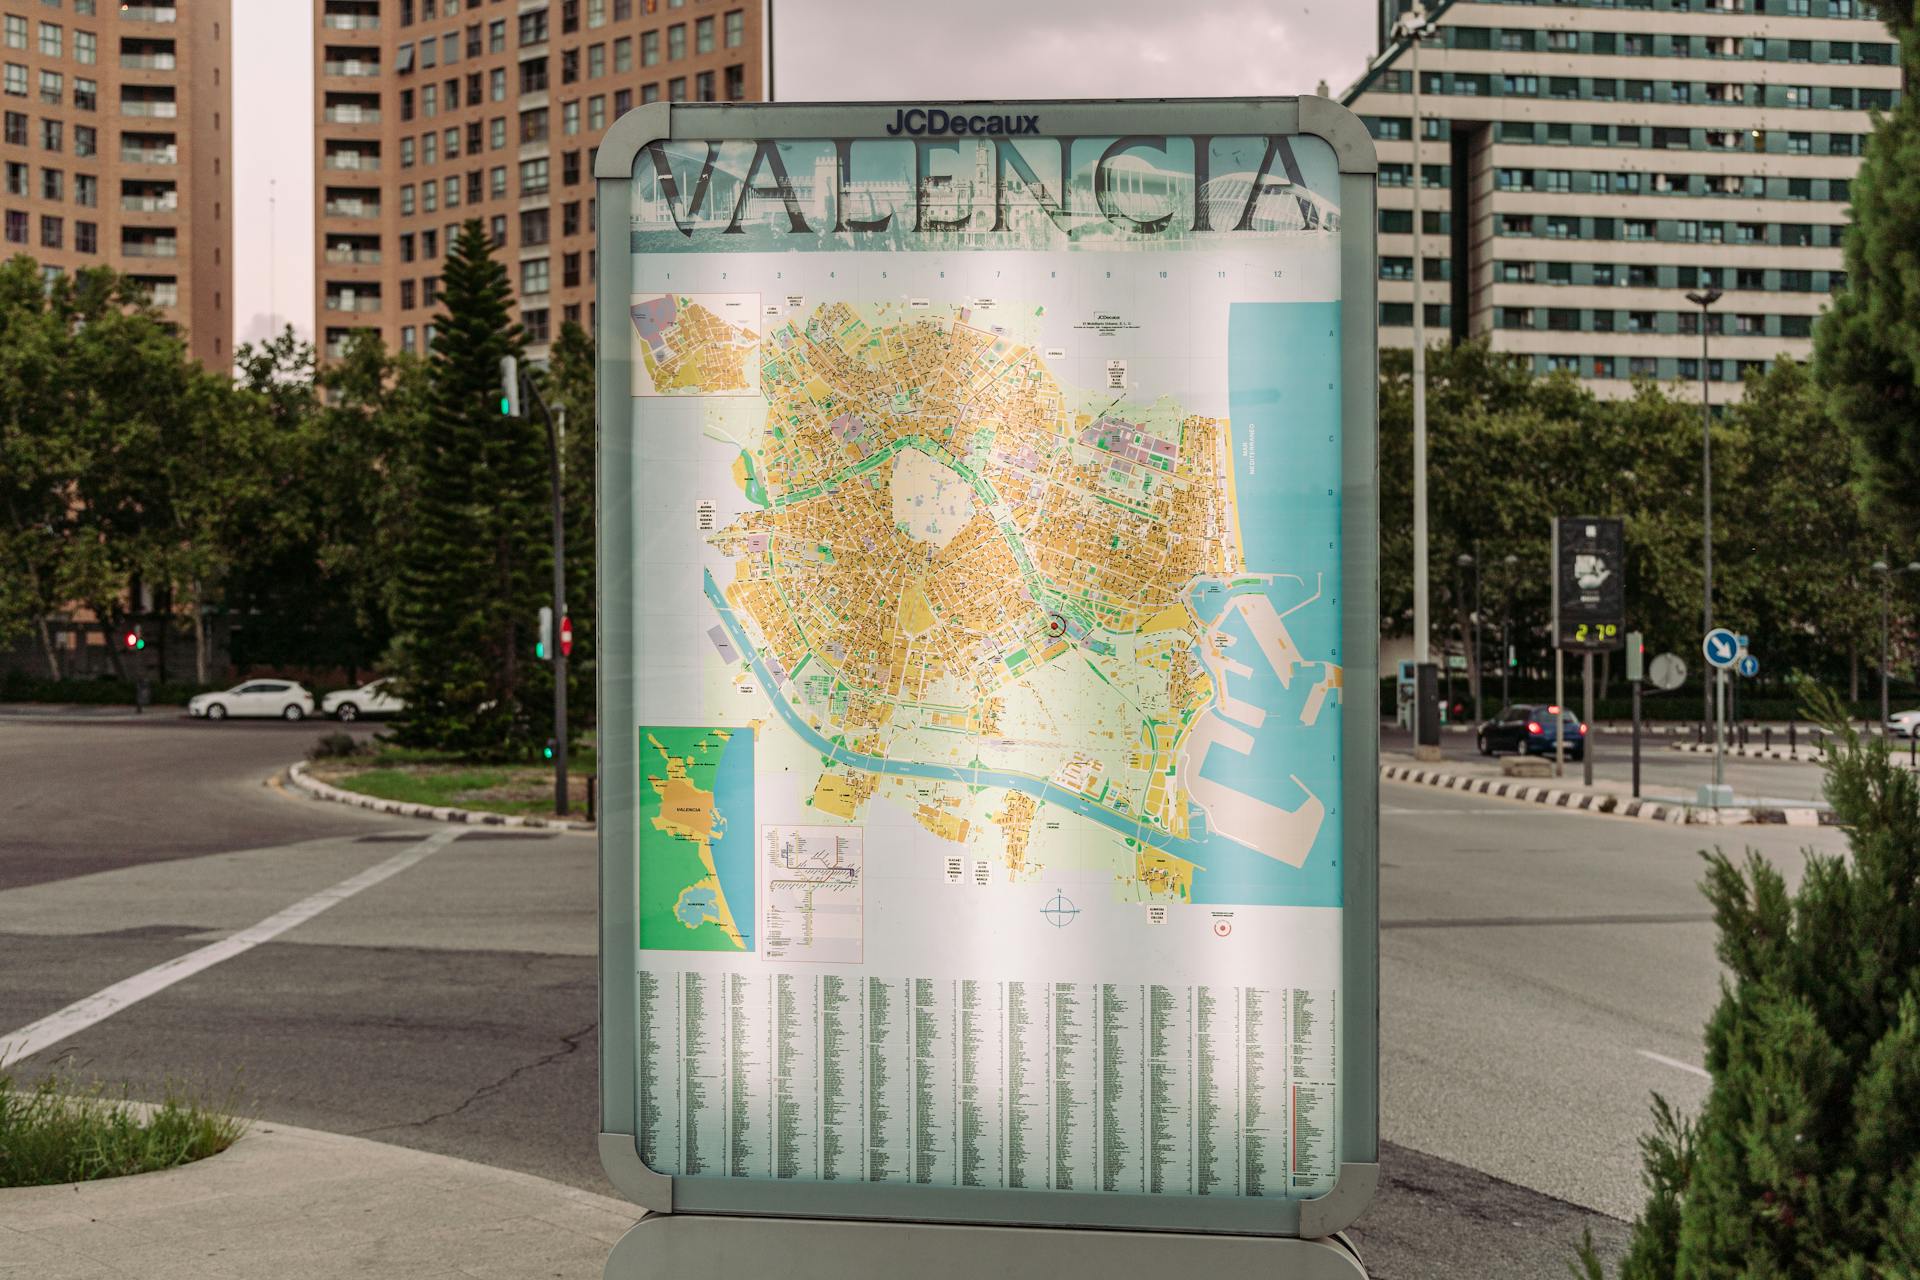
{"points": [[294, 1202]]}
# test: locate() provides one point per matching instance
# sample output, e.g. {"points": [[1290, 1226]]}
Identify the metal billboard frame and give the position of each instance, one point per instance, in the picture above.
{"points": [[615, 475]]}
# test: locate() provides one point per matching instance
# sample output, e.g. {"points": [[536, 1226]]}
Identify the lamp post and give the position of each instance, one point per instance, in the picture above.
{"points": [[1886, 573], [1705, 300], [1415, 26], [1474, 675], [1506, 637]]}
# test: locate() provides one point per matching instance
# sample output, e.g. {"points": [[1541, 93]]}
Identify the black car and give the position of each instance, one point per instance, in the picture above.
{"points": [[1531, 731]]}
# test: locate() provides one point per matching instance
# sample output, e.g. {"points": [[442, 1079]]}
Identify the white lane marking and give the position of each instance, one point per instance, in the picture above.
{"points": [[1675, 1063], [80, 1015]]}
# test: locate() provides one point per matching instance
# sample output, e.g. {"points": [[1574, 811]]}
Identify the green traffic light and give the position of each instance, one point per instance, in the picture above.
{"points": [[140, 644], [548, 752], [540, 651], [506, 406]]}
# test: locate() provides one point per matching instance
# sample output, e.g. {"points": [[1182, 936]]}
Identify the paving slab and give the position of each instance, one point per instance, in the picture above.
{"points": [[291, 1201]]}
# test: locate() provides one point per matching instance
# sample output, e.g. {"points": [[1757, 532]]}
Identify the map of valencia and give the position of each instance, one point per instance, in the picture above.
{"points": [[954, 579]]}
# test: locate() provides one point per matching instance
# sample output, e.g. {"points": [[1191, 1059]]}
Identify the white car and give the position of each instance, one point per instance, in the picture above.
{"points": [[281, 699], [1904, 724], [374, 699]]}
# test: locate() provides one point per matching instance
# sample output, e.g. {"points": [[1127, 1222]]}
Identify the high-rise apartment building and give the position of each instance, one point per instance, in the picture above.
{"points": [[117, 148], [1588, 163], [431, 112]]}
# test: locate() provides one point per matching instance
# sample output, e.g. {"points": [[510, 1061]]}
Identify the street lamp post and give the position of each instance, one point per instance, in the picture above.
{"points": [[1705, 300], [1474, 674], [1506, 638], [1415, 26], [1886, 573]]}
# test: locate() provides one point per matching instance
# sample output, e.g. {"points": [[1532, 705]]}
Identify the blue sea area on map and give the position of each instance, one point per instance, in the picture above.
{"points": [[733, 851], [1283, 371]]}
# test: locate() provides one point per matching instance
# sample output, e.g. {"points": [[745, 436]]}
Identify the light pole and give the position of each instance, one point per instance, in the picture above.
{"points": [[1415, 26], [1506, 638], [1886, 573], [1705, 300], [1474, 675]]}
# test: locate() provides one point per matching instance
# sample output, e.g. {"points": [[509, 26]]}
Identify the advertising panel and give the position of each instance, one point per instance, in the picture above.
{"points": [[1589, 583], [991, 800]]}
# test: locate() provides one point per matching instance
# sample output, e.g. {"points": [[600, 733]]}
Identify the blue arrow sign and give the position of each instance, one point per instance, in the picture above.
{"points": [[1721, 647], [1749, 665]]}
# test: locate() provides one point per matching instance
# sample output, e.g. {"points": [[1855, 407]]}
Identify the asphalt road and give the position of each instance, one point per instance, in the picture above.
{"points": [[1542, 974]]}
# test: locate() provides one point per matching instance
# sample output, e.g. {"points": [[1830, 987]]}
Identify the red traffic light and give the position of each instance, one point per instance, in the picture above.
{"points": [[566, 636], [134, 640]]}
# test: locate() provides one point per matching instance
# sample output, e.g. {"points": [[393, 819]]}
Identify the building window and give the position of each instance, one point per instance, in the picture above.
{"points": [[86, 190], [534, 322], [623, 55], [570, 118], [497, 230], [497, 133], [16, 227], [497, 36], [16, 132], [677, 89], [703, 86], [50, 131], [533, 75], [430, 149], [17, 184], [497, 182], [570, 218], [497, 84], [736, 28], [569, 168], [52, 87], [623, 101], [533, 125], [569, 65], [596, 13], [86, 47], [703, 36], [533, 27], [534, 227], [534, 275], [53, 184], [16, 27], [406, 295], [52, 232], [736, 83], [1799, 95], [533, 177], [430, 101], [429, 197], [406, 200], [596, 113], [676, 41]]}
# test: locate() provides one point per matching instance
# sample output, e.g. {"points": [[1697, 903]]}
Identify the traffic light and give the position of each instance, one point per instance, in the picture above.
{"points": [[509, 386], [547, 751], [543, 646], [135, 639], [566, 636]]}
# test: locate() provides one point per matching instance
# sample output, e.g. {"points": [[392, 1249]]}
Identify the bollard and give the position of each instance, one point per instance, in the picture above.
{"points": [[592, 778], [1766, 736], [1793, 745]]}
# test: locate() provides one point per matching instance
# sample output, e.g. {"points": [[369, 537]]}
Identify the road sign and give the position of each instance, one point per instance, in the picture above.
{"points": [[801, 1023], [1749, 665], [1636, 656], [1666, 672], [1722, 648], [1589, 583]]}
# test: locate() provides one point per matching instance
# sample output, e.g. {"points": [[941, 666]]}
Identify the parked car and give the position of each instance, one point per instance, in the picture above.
{"points": [[1904, 724], [376, 698], [281, 699], [1533, 730]]}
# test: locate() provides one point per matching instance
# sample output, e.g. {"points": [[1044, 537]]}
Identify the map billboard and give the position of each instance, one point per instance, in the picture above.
{"points": [[988, 662]]}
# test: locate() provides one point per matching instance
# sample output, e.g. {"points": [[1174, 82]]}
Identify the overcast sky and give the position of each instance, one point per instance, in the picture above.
{"points": [[825, 50]]}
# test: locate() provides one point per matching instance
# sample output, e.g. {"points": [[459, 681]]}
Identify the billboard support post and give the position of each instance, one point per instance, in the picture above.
{"points": [[896, 405]]}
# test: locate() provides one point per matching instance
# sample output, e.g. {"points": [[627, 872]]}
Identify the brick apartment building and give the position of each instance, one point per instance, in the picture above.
{"points": [[117, 149], [431, 112]]}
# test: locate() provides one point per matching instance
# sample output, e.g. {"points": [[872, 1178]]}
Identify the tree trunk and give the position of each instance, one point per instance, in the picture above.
{"points": [[1606, 676], [1853, 671], [46, 646], [109, 631], [199, 634]]}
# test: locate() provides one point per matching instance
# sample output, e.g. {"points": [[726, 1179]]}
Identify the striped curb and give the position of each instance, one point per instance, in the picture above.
{"points": [[1810, 756], [297, 775], [1600, 802]]}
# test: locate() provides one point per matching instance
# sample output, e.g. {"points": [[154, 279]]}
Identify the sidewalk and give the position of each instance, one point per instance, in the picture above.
{"points": [[321, 1206], [1483, 777]]}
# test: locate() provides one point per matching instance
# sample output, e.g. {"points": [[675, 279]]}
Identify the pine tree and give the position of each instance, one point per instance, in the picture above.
{"points": [[477, 560], [571, 386], [1867, 345], [1805, 1160]]}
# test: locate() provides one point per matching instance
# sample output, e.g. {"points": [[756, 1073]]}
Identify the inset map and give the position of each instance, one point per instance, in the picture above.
{"points": [[695, 344], [814, 907], [696, 839]]}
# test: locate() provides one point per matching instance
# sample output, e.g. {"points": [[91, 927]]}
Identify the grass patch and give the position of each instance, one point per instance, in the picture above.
{"points": [[62, 1133]]}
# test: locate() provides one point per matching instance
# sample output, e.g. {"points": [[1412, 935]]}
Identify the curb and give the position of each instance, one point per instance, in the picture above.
{"points": [[1601, 802], [315, 789], [1811, 756]]}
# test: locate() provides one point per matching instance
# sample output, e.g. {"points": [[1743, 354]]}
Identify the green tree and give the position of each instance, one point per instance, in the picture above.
{"points": [[1805, 1160], [476, 562], [1867, 344]]}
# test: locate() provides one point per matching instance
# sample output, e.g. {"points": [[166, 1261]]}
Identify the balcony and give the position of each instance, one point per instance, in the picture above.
{"points": [[352, 209], [149, 13], [150, 155], [150, 248], [352, 302], [352, 115], [151, 109], [351, 67], [148, 61], [352, 161], [348, 255], [168, 203], [351, 21]]}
